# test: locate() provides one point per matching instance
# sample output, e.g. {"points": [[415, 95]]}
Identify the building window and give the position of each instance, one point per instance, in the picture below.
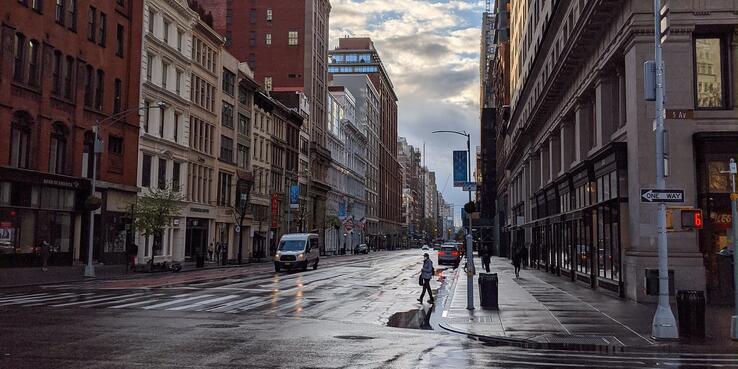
{"points": [[164, 74], [152, 19], [710, 61], [229, 80], [89, 85], [116, 96], [165, 35], [103, 29], [91, 24], [180, 37], [269, 15], [175, 134], [33, 63], [162, 178], [149, 66], [146, 112], [224, 189], [175, 176], [252, 16], [69, 78], [35, 5], [58, 149], [227, 115], [56, 74], [268, 83], [162, 113], [115, 145], [146, 171], [72, 15], [226, 149], [178, 82], [119, 38], [100, 90], [20, 137], [19, 57], [243, 156], [293, 38], [252, 39], [268, 38], [243, 124], [59, 17]]}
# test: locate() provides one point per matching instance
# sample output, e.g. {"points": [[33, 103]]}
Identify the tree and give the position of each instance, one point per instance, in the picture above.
{"points": [[154, 211], [241, 207]]}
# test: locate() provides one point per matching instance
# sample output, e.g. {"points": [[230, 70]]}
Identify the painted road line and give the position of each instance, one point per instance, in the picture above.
{"points": [[45, 299], [205, 302], [22, 296], [231, 304], [96, 300], [150, 301], [114, 302], [175, 302]]}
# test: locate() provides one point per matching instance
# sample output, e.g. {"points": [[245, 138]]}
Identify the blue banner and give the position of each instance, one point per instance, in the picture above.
{"points": [[341, 209], [460, 168], [294, 196]]}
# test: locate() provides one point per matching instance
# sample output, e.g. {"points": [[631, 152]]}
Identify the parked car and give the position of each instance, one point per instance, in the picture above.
{"points": [[361, 248], [449, 255], [297, 250], [437, 247], [425, 248]]}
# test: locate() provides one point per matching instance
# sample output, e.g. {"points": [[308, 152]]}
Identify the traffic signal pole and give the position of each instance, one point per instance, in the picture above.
{"points": [[664, 324]]}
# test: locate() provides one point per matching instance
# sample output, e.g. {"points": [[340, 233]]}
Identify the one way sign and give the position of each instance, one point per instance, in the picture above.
{"points": [[653, 195]]}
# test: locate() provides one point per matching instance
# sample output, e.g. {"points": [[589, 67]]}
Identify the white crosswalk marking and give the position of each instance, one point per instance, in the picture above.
{"points": [[200, 303], [150, 301], [179, 301], [9, 298], [96, 300], [113, 302], [41, 299], [232, 304]]}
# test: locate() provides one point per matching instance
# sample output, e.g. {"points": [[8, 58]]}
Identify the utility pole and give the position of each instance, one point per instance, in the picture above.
{"points": [[664, 324], [734, 209]]}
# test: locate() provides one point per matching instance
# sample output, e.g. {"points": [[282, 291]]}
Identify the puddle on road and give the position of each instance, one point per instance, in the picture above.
{"points": [[413, 319]]}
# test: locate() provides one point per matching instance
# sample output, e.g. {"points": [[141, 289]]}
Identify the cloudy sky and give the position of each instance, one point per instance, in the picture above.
{"points": [[431, 49]]}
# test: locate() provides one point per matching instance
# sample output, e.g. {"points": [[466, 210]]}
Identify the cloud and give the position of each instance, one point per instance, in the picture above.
{"points": [[431, 51]]}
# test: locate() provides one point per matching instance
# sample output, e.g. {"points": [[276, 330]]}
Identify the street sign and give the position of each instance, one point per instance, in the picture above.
{"points": [[294, 196], [665, 28], [654, 195], [460, 168], [679, 114], [469, 186], [238, 228]]}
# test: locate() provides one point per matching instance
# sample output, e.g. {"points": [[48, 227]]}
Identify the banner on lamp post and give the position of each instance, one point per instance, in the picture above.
{"points": [[460, 168], [294, 196]]}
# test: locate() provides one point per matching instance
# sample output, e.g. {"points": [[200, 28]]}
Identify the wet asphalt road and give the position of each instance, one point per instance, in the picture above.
{"points": [[334, 317]]}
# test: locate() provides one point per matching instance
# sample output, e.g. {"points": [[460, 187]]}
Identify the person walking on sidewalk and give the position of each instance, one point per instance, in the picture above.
{"points": [[45, 254], [485, 260], [211, 249], [425, 276], [517, 259], [132, 253]]}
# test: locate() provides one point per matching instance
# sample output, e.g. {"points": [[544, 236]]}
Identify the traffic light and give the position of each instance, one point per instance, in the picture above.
{"points": [[692, 218]]}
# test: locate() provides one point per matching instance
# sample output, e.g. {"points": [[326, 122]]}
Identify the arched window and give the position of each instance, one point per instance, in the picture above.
{"points": [[58, 149], [20, 136]]}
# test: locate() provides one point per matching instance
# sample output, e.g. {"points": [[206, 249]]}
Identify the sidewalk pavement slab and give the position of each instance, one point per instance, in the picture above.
{"points": [[543, 310]]}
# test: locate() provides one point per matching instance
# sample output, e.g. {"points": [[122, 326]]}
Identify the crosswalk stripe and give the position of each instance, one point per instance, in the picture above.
{"points": [[150, 301], [113, 302], [205, 302], [231, 304], [96, 300], [250, 306], [22, 296], [42, 299], [178, 301]]}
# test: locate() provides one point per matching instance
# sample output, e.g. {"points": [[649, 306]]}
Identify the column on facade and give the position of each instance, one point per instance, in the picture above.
{"points": [[583, 128], [606, 107], [554, 147], [545, 164]]}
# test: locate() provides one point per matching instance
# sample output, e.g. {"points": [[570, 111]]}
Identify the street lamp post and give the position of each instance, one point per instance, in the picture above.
{"points": [[469, 239], [97, 148], [734, 211]]}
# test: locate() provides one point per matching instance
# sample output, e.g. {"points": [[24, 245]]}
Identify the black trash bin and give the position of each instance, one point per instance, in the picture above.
{"points": [[488, 290], [691, 309], [200, 261]]}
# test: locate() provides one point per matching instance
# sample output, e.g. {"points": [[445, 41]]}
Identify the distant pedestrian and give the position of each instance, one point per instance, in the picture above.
{"points": [[211, 249], [132, 254], [517, 259], [425, 276], [485, 260], [45, 254]]}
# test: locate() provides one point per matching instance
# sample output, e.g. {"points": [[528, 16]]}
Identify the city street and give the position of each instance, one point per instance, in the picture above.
{"points": [[334, 317]]}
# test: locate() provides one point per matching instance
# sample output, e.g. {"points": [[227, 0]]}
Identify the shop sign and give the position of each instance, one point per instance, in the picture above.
{"points": [[275, 210], [200, 210], [60, 183]]}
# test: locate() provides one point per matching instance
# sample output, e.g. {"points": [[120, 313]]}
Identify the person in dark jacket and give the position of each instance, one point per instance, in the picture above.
{"points": [[132, 254], [485, 260], [45, 254], [517, 260], [426, 274]]}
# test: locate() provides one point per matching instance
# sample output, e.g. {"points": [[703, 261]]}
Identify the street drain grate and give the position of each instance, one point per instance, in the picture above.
{"points": [[356, 338], [579, 339]]}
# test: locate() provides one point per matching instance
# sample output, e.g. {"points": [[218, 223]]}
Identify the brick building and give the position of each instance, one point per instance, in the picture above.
{"points": [[64, 66]]}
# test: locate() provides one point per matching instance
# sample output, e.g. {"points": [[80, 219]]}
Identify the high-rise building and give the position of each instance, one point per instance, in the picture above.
{"points": [[65, 66], [359, 56], [285, 43]]}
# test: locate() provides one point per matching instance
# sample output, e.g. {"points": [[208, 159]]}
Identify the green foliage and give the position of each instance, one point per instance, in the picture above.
{"points": [[153, 211]]}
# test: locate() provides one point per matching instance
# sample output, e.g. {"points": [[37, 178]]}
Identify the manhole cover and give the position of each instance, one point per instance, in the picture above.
{"points": [[357, 338]]}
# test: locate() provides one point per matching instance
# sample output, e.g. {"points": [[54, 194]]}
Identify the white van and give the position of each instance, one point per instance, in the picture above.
{"points": [[297, 250]]}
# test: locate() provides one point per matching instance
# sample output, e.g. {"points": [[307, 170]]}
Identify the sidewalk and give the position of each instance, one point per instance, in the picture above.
{"points": [[543, 310]]}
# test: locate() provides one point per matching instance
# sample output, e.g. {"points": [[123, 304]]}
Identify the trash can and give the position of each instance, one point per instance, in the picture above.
{"points": [[200, 261], [691, 309], [488, 290]]}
